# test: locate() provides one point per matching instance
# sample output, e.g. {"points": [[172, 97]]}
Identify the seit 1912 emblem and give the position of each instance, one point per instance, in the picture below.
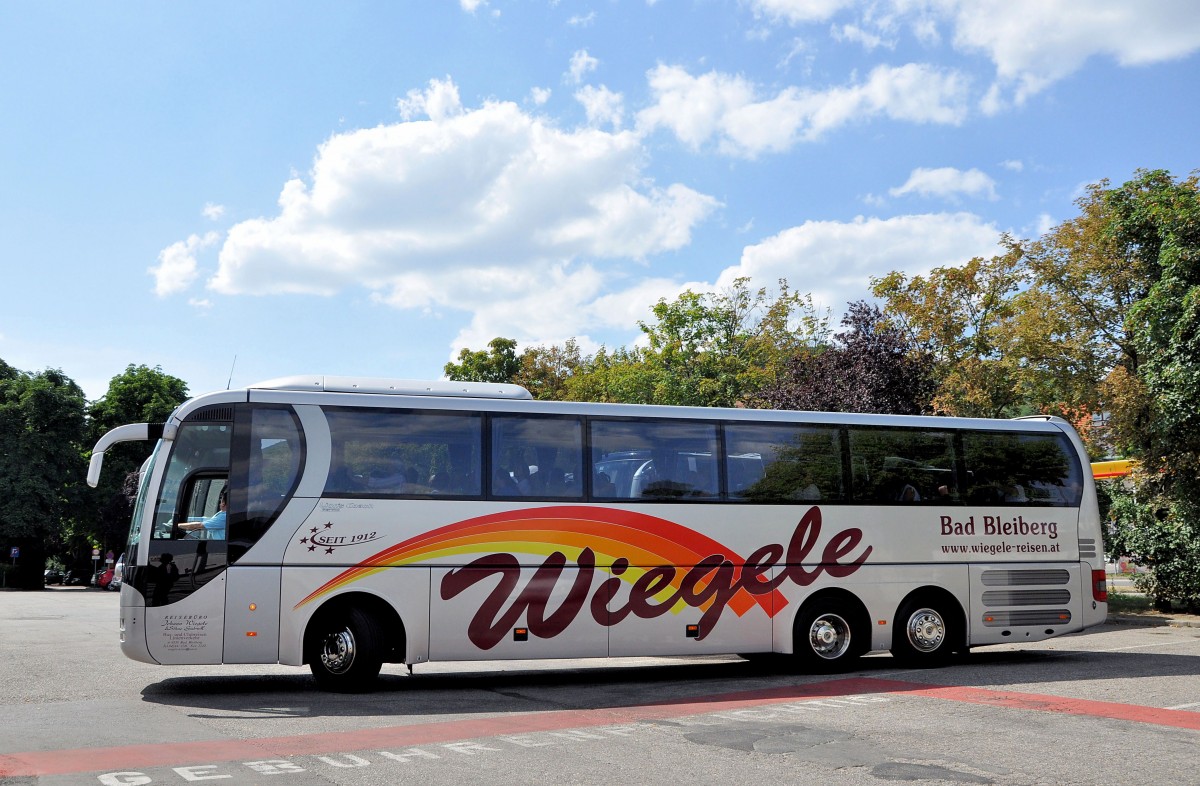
{"points": [[325, 540]]}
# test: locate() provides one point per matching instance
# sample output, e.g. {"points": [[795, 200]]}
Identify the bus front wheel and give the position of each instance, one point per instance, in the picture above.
{"points": [[347, 651], [926, 633], [825, 637]]}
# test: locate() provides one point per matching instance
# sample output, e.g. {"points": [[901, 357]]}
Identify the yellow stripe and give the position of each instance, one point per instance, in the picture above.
{"points": [[1111, 469]]}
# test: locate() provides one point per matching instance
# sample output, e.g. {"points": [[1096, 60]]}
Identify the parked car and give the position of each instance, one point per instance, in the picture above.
{"points": [[53, 576], [118, 574]]}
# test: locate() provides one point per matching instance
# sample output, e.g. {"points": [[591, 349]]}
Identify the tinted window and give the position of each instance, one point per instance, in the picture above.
{"points": [[781, 463], [537, 457], [1007, 468], [265, 472], [404, 453], [654, 459], [902, 466]]}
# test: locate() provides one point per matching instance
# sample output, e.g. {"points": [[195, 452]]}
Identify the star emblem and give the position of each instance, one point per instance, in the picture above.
{"points": [[329, 550]]}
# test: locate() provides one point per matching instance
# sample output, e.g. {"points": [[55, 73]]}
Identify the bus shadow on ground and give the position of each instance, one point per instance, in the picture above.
{"points": [[516, 690]]}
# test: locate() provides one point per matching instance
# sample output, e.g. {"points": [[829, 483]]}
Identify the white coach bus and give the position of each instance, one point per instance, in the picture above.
{"points": [[374, 521]]}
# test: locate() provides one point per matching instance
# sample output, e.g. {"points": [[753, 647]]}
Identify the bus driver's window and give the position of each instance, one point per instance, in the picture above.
{"points": [[195, 477], [210, 527]]}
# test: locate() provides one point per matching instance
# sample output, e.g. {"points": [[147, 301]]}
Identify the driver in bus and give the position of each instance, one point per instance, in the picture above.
{"points": [[211, 528]]}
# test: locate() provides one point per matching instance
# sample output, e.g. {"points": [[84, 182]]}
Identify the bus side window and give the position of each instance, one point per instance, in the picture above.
{"points": [[894, 466], [266, 470], [655, 459], [789, 463], [404, 453], [1013, 468], [536, 456]]}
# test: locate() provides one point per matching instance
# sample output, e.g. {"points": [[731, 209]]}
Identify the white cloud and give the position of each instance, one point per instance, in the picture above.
{"points": [[538, 96], [603, 106], [582, 64], [858, 35], [585, 20], [728, 108], [1013, 165], [582, 304], [948, 183], [1034, 43], [1045, 222], [439, 102], [835, 260], [1030, 43], [471, 6], [177, 267], [486, 210], [212, 211], [801, 11]]}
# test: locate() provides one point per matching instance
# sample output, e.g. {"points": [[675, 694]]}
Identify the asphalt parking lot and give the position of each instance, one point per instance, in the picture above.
{"points": [[1118, 704]]}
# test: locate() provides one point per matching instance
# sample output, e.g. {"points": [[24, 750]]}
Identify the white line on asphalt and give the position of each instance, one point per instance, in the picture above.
{"points": [[1185, 706], [1174, 643]]}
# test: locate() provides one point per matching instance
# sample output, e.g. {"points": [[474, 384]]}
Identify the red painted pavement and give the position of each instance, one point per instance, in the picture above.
{"points": [[61, 762]]}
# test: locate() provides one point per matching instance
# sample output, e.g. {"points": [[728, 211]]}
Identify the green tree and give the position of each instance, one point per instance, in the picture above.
{"points": [[42, 431], [545, 371], [621, 377], [959, 317], [1153, 225], [1070, 326], [718, 349], [139, 394], [710, 349], [499, 363]]}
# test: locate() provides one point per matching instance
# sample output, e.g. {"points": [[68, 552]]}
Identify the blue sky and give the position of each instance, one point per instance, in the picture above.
{"points": [[363, 188]]}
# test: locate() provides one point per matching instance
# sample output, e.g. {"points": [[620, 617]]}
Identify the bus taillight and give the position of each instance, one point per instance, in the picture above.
{"points": [[1099, 586]]}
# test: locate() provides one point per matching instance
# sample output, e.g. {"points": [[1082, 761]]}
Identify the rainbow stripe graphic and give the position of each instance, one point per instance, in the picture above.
{"points": [[645, 541]]}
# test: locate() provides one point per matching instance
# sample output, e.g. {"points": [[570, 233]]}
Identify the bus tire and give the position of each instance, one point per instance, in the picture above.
{"points": [[927, 633], [826, 638], [347, 651]]}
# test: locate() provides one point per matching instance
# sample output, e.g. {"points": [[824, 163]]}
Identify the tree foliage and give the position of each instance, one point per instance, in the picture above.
{"points": [[1162, 534], [498, 363], [42, 431], [1153, 226], [716, 349], [960, 318], [545, 371], [701, 349], [139, 394], [1070, 323], [871, 367]]}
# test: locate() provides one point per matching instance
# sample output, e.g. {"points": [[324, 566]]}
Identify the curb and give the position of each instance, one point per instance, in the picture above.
{"points": [[1147, 620]]}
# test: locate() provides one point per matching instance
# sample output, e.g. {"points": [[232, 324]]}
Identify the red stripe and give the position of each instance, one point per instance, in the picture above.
{"points": [[44, 763]]}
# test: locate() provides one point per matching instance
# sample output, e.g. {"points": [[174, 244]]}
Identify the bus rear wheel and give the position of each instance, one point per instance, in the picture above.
{"points": [[825, 638], [347, 651], [926, 633]]}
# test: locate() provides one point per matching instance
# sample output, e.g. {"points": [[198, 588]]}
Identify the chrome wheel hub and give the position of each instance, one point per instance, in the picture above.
{"points": [[337, 652], [926, 630], [829, 636]]}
